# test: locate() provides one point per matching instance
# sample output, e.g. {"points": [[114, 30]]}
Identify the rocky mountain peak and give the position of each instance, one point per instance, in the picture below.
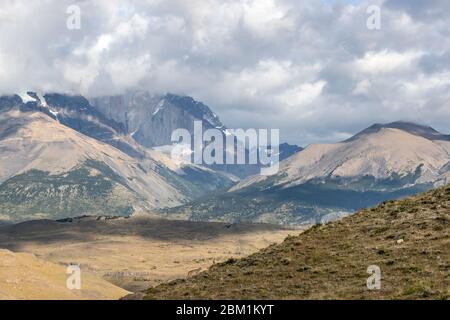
{"points": [[197, 109], [410, 127]]}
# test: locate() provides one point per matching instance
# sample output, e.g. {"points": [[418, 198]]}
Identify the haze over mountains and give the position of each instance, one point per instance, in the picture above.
{"points": [[64, 156]]}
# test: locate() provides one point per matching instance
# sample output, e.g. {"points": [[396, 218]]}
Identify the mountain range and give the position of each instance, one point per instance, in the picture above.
{"points": [[151, 119], [64, 156], [328, 181], [60, 157]]}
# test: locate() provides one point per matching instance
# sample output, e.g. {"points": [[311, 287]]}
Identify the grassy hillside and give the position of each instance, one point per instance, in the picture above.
{"points": [[408, 239]]}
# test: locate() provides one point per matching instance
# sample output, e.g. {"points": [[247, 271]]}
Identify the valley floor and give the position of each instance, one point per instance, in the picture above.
{"points": [[136, 253]]}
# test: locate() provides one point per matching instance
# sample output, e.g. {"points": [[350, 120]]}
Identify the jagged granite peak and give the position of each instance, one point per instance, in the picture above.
{"points": [[410, 127], [151, 119], [198, 109]]}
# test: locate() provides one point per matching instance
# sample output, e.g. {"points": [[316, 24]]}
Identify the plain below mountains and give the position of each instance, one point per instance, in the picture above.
{"points": [[408, 240], [133, 253]]}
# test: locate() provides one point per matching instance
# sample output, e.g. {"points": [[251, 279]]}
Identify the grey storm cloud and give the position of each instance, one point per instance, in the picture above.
{"points": [[310, 68]]}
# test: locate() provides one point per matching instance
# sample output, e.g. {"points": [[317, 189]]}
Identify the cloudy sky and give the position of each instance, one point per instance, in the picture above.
{"points": [[312, 68]]}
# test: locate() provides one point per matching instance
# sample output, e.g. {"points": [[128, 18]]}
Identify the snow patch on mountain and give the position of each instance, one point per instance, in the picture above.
{"points": [[26, 97]]}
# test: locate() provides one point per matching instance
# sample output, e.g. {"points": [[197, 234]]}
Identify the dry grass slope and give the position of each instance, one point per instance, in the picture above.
{"points": [[23, 276], [330, 261]]}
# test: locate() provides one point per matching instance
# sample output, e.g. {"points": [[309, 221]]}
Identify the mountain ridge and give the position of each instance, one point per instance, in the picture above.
{"points": [[387, 151], [378, 163], [410, 127], [48, 168], [151, 119], [328, 181]]}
